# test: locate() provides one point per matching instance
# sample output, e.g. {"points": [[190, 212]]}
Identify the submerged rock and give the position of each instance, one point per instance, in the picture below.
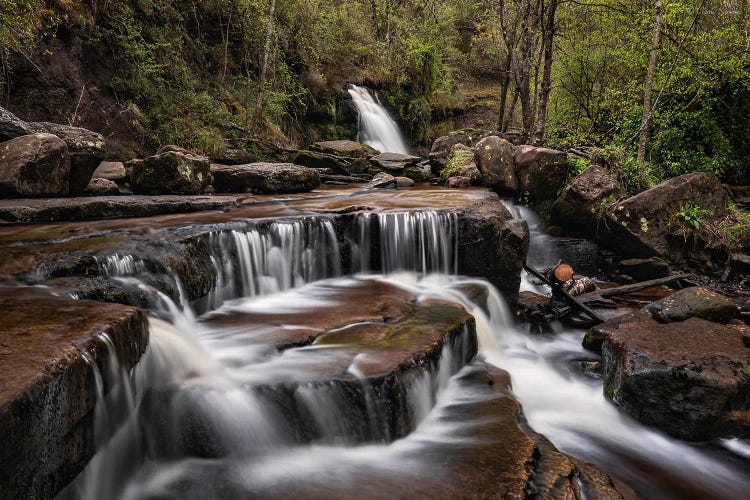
{"points": [[47, 390], [264, 178], [87, 150], [34, 165], [581, 206], [494, 158], [171, 172]]}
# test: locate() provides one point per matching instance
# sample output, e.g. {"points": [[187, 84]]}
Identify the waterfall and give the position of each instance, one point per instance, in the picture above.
{"points": [[376, 127]]}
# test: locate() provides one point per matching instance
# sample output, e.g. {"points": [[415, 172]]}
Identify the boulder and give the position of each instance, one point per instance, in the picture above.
{"points": [[494, 158], [694, 302], [458, 182], [442, 146], [34, 165], [417, 174], [394, 162], [87, 150], [11, 126], [345, 149], [175, 149], [739, 265], [541, 172], [233, 156], [112, 171], [101, 187], [404, 182], [461, 164], [265, 178], [689, 378], [640, 225], [171, 172], [579, 207], [382, 181], [314, 159], [644, 269]]}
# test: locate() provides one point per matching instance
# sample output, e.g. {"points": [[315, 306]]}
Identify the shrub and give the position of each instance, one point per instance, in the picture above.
{"points": [[457, 160]]}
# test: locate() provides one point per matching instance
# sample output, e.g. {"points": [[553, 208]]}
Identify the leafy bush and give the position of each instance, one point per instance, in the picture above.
{"points": [[457, 160], [635, 176]]}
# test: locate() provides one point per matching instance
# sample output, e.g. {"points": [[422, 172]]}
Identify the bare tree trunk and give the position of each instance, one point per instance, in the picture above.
{"points": [[548, 35], [648, 87], [264, 63]]}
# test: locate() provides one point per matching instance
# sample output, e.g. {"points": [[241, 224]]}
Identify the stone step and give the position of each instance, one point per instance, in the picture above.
{"points": [[47, 389]]}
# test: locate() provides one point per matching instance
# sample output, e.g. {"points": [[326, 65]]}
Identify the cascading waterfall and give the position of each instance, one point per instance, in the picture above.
{"points": [[205, 391], [376, 127]]}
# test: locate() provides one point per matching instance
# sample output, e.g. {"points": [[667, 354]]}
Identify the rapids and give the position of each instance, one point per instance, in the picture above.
{"points": [[223, 406]]}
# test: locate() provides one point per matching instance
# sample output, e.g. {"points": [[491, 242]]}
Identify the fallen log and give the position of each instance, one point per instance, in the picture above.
{"points": [[558, 289], [626, 289]]}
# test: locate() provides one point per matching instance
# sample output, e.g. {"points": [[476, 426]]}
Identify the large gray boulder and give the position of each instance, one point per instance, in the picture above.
{"points": [[87, 150], [346, 149], [112, 171], [315, 159], [541, 172], [264, 178], [12, 126], [639, 226], [34, 165], [579, 207], [394, 162], [102, 187], [495, 160], [171, 172]]}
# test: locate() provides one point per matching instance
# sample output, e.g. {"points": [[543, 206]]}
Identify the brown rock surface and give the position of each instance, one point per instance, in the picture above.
{"points": [[47, 392], [264, 178], [34, 165], [541, 172]]}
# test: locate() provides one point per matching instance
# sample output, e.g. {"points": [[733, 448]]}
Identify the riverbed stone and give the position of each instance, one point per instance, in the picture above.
{"points": [[382, 180], [442, 146], [644, 269], [102, 187], [87, 150], [582, 204], [315, 159], [694, 302], [233, 156], [394, 162], [34, 165], [458, 182], [404, 182], [345, 149], [47, 390], [11, 126], [265, 178], [689, 378], [494, 158], [112, 171], [541, 172], [171, 172]]}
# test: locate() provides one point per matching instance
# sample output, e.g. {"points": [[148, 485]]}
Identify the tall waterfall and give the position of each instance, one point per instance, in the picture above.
{"points": [[376, 127]]}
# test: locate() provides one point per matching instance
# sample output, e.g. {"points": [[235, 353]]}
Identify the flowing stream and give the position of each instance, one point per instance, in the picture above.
{"points": [[376, 127], [223, 406]]}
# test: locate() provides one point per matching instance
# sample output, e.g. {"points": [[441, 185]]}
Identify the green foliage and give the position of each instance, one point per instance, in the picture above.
{"points": [[635, 176], [691, 215], [455, 166]]}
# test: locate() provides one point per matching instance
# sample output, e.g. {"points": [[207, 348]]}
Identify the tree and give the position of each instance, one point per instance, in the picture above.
{"points": [[648, 85]]}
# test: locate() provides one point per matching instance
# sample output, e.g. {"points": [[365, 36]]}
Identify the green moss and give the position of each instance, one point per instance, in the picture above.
{"points": [[455, 166]]}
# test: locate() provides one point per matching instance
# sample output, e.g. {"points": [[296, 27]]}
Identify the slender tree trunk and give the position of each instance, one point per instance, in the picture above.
{"points": [[264, 63], [543, 99], [505, 84], [648, 87]]}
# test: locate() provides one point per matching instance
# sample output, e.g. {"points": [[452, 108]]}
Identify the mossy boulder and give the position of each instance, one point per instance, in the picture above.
{"points": [[171, 172], [265, 178], [34, 165], [494, 158]]}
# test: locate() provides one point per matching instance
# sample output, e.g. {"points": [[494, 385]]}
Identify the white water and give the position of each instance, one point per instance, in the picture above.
{"points": [[376, 127], [215, 368]]}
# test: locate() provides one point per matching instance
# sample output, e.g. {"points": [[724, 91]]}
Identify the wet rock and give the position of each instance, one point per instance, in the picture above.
{"points": [[47, 389], [494, 158], [404, 182], [579, 207], [171, 172], [640, 225], [690, 378], [739, 265], [175, 149], [112, 171], [87, 150], [265, 178], [644, 269], [694, 302], [417, 174], [233, 156], [458, 182], [11, 126], [345, 149], [541, 172], [342, 179], [394, 162], [314, 159], [382, 181], [103, 207], [34, 165], [102, 187]]}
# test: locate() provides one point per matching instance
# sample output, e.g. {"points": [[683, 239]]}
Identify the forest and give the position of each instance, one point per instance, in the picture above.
{"points": [[659, 87]]}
